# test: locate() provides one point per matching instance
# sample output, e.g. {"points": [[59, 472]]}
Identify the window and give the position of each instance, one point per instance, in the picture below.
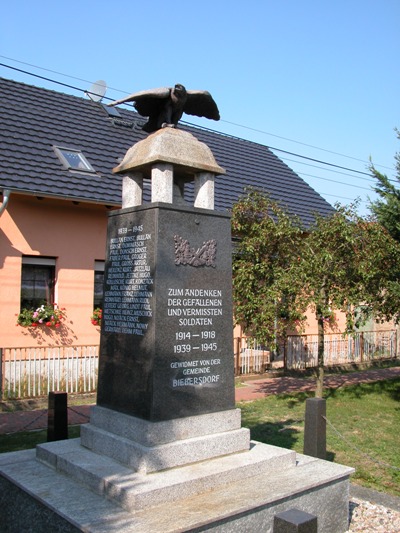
{"points": [[73, 159], [37, 281], [111, 111], [98, 284]]}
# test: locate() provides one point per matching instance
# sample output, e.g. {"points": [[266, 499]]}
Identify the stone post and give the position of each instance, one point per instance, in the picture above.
{"points": [[57, 417], [315, 428], [295, 521]]}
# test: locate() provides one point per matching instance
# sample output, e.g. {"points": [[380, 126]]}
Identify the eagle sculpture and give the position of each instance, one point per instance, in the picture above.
{"points": [[164, 107]]}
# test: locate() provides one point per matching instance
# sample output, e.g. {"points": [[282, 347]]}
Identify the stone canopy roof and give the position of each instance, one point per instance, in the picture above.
{"points": [[35, 120]]}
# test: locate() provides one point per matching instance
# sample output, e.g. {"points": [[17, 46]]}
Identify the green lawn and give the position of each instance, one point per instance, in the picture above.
{"points": [[29, 439], [367, 422]]}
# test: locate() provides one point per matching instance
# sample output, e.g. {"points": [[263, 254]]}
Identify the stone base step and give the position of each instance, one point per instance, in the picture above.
{"points": [[132, 490], [153, 446], [162, 457]]}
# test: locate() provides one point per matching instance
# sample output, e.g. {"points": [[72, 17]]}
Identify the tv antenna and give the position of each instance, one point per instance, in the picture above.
{"points": [[97, 91]]}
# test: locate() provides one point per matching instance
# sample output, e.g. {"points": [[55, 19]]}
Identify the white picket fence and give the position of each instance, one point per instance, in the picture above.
{"points": [[301, 351], [250, 357], [30, 372], [366, 346]]}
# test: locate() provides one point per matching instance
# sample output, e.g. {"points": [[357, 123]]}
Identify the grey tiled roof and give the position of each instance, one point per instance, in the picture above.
{"points": [[33, 120]]}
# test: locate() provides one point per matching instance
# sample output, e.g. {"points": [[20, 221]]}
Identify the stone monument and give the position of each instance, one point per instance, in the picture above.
{"points": [[166, 344], [164, 450]]}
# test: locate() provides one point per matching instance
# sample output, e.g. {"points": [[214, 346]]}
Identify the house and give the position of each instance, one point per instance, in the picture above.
{"points": [[57, 153]]}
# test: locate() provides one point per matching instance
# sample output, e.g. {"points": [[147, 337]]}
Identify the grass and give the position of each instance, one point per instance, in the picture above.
{"points": [[29, 439], [367, 422], [25, 440]]}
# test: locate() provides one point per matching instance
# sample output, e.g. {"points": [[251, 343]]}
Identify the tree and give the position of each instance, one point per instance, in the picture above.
{"points": [[349, 264], [342, 262], [264, 290], [387, 208]]}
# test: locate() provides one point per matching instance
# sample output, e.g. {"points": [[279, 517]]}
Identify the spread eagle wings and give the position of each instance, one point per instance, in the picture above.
{"points": [[149, 102], [201, 104], [146, 101]]}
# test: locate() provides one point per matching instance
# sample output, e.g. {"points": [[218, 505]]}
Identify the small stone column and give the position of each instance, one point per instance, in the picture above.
{"points": [[204, 190], [162, 183], [132, 189]]}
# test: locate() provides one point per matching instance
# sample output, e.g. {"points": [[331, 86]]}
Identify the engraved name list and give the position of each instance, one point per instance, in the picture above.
{"points": [[129, 283]]}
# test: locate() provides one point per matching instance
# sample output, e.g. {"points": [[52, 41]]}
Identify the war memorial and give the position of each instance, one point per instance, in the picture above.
{"points": [[164, 450]]}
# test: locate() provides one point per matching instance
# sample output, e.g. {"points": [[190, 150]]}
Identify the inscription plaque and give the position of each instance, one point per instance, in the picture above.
{"points": [[129, 282], [166, 345]]}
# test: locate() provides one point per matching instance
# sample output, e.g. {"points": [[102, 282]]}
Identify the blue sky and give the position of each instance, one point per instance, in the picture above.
{"points": [[319, 79]]}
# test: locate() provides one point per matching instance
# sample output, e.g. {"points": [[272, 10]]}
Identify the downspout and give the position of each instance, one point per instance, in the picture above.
{"points": [[6, 197]]}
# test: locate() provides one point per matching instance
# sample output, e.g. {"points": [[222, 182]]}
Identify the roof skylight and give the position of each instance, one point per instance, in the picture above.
{"points": [[111, 111], [73, 159]]}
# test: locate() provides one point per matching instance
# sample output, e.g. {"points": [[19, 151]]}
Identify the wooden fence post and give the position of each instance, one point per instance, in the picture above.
{"points": [[237, 358], [361, 346]]}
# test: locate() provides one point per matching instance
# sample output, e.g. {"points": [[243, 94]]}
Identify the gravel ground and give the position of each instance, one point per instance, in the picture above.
{"points": [[372, 518]]}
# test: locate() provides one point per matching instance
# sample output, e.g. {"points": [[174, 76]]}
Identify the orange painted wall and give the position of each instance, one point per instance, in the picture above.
{"points": [[76, 236], [310, 326]]}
